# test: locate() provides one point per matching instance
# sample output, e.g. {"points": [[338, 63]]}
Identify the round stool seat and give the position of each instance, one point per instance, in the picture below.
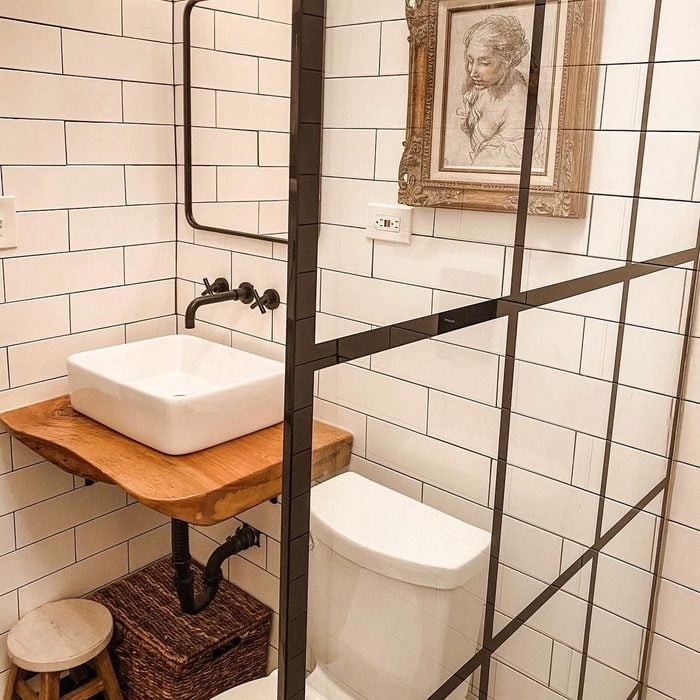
{"points": [[60, 636]]}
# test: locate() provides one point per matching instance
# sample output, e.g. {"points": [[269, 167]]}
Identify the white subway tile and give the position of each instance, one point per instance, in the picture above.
{"points": [[460, 508], [38, 233], [376, 395], [68, 510], [686, 495], [614, 162], [145, 263], [274, 77], [455, 266], [348, 153], [91, 15], [541, 447], [224, 147], [152, 328], [678, 613], [371, 300], [678, 220], [41, 96], [520, 540], [451, 368], [75, 580], [273, 149], [108, 307], [149, 547], [344, 202], [570, 400], [671, 108], [31, 142], [32, 484], [224, 71], [599, 348], [394, 58], [115, 226], [30, 46], [624, 96], [674, 669], [5, 453], [46, 359], [626, 32], [118, 526], [24, 321], [54, 187], [278, 10], [148, 104], [32, 393], [389, 152], [676, 40], [264, 273], [148, 20], [241, 184], [7, 533], [366, 103], [682, 557], [195, 262], [117, 57], [651, 360], [146, 184], [601, 680], [352, 51], [249, 35], [236, 110], [556, 507], [22, 456], [358, 13], [8, 611], [643, 420], [431, 461], [256, 581], [550, 338], [344, 249], [108, 144], [615, 642], [31, 563], [623, 590], [528, 651], [48, 275], [669, 165], [465, 423]]}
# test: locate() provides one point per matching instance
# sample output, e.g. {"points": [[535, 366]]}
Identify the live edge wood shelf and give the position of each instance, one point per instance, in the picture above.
{"points": [[202, 488]]}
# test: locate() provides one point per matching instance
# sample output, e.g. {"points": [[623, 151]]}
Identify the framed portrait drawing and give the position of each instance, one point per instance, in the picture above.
{"points": [[468, 85]]}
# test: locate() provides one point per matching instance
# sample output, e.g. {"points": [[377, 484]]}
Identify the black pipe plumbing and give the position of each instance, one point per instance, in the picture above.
{"points": [[244, 538]]}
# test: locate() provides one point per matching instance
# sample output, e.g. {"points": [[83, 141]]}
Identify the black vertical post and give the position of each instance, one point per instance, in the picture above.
{"points": [[304, 222]]}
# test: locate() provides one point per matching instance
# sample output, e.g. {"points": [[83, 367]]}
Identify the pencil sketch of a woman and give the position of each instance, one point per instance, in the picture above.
{"points": [[495, 95]]}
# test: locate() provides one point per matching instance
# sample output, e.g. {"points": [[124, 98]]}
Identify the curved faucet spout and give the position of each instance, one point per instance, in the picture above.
{"points": [[244, 293]]}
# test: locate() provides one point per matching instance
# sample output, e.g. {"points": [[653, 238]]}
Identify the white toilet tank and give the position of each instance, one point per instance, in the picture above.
{"points": [[396, 592]]}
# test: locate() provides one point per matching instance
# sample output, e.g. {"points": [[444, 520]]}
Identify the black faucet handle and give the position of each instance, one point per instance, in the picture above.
{"points": [[269, 300], [220, 285], [259, 302]]}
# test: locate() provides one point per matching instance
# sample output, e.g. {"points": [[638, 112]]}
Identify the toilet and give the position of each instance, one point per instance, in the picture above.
{"points": [[396, 595]]}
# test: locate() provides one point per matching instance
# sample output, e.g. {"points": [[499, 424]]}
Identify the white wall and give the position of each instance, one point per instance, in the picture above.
{"points": [[426, 416], [87, 148]]}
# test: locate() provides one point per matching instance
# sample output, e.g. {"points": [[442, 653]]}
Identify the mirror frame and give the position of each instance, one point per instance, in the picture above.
{"points": [[187, 123]]}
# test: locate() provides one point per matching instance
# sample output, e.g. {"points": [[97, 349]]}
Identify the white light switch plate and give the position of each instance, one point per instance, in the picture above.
{"points": [[8, 223], [389, 222]]}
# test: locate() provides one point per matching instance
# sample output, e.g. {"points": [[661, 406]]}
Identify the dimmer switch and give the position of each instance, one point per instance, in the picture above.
{"points": [[8, 223]]}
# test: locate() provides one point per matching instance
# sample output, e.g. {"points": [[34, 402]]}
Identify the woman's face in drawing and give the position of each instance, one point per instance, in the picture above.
{"points": [[485, 66]]}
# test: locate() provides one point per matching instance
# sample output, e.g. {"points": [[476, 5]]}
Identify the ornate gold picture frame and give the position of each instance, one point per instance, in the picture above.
{"points": [[468, 82]]}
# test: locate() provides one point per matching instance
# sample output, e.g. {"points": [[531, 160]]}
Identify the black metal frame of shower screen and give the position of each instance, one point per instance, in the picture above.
{"points": [[305, 357]]}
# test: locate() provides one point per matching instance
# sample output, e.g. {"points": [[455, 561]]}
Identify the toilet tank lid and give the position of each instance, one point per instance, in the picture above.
{"points": [[392, 534]]}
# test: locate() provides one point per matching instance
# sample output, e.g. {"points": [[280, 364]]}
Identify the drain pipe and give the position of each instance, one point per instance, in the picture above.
{"points": [[244, 538]]}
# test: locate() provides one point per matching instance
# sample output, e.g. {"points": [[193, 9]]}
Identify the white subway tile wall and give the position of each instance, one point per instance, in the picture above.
{"points": [[440, 448], [91, 146], [87, 147]]}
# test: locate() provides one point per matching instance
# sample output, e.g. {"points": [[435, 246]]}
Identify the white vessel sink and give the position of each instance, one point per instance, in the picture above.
{"points": [[177, 394]]}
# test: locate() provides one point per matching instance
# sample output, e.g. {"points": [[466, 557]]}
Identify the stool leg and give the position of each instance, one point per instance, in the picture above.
{"points": [[9, 693], [106, 673], [49, 686]]}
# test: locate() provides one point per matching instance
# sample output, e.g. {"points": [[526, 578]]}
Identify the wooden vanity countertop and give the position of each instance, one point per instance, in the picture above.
{"points": [[202, 488]]}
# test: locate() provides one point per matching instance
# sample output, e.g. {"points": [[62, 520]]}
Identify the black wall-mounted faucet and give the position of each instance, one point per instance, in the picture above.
{"points": [[220, 291]]}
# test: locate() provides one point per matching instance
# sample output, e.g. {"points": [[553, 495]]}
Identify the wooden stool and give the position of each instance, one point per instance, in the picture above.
{"points": [[57, 637]]}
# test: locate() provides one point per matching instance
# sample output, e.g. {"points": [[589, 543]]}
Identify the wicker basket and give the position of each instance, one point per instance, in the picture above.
{"points": [[162, 654]]}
